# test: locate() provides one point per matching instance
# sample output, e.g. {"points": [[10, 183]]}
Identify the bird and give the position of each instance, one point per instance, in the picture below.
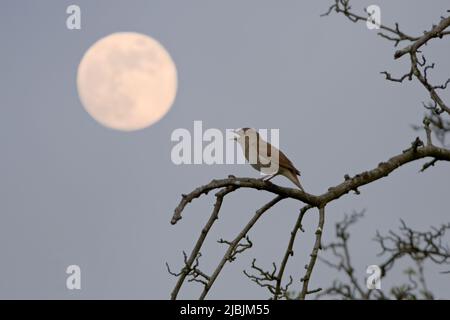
{"points": [[258, 153]]}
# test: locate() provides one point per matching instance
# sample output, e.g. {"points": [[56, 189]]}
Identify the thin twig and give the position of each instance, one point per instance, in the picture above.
{"points": [[235, 242]]}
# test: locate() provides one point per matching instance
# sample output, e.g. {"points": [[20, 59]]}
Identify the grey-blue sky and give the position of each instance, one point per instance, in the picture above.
{"points": [[74, 192]]}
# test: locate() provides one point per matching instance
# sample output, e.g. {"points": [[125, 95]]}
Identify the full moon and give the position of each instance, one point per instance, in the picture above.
{"points": [[127, 81]]}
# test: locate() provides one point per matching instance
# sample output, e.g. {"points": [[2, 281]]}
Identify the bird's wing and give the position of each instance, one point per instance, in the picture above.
{"points": [[284, 162], [265, 152]]}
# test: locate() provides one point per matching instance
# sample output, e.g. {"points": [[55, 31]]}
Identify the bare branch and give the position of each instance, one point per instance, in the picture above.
{"points": [[424, 81], [434, 122], [417, 245], [232, 247], [417, 151], [394, 33], [240, 247], [363, 178], [428, 164], [442, 86], [289, 250], [390, 78], [195, 252], [313, 257], [436, 32], [265, 279]]}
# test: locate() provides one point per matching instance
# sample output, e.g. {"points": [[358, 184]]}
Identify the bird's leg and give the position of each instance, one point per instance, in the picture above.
{"points": [[268, 177]]}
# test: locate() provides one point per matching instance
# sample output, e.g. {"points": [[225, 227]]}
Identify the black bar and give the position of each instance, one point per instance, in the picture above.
{"points": [[221, 309]]}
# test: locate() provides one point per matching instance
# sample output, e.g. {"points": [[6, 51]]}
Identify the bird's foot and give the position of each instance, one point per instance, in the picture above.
{"points": [[268, 177]]}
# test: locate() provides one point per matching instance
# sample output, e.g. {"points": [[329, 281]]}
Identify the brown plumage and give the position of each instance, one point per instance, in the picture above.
{"points": [[258, 153]]}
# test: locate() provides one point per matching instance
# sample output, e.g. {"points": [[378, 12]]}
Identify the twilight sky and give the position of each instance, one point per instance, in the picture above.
{"points": [[75, 192]]}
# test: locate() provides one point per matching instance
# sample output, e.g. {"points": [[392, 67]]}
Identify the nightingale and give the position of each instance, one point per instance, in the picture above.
{"points": [[264, 157]]}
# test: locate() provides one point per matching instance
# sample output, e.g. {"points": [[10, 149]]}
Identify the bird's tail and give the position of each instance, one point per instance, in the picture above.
{"points": [[294, 179]]}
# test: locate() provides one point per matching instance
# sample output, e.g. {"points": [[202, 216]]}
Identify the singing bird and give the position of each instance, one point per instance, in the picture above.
{"points": [[264, 157]]}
